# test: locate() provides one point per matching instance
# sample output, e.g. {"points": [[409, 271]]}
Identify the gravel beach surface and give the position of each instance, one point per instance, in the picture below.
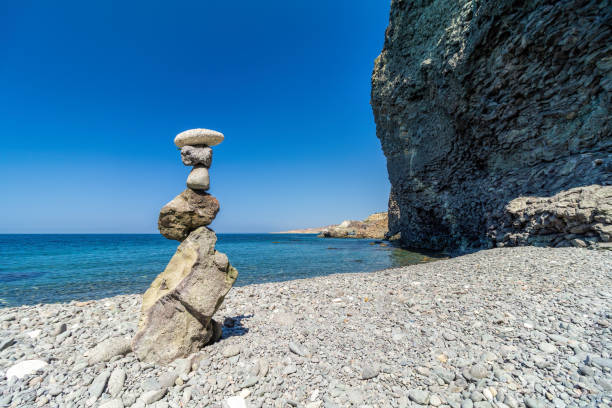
{"points": [[505, 327]]}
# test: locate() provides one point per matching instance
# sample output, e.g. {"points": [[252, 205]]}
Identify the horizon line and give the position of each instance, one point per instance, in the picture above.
{"points": [[131, 233]]}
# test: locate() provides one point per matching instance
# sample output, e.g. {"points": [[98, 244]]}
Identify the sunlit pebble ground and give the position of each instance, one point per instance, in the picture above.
{"points": [[503, 327]]}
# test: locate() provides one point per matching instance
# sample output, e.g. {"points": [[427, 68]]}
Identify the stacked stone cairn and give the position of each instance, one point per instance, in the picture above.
{"points": [[176, 317]]}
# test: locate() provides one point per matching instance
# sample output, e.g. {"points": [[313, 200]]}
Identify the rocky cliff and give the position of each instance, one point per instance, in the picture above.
{"points": [[479, 102]]}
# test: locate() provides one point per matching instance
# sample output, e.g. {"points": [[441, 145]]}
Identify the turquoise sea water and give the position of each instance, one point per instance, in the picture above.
{"points": [[59, 268]]}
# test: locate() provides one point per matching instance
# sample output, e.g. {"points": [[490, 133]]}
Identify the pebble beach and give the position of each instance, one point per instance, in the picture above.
{"points": [[507, 327]]}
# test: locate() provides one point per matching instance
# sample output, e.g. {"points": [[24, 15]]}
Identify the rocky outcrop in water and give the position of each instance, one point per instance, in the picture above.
{"points": [[177, 310], [480, 102], [375, 227]]}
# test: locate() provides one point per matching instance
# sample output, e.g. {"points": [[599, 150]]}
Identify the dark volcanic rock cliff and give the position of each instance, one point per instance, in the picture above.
{"points": [[479, 102]]}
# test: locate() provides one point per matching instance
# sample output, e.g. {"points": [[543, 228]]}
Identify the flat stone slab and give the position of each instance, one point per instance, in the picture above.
{"points": [[198, 137]]}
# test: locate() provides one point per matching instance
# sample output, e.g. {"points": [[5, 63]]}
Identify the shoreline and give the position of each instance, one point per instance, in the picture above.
{"points": [[65, 275], [527, 325]]}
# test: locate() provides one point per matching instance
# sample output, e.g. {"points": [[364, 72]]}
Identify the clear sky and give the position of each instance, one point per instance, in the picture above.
{"points": [[93, 94]]}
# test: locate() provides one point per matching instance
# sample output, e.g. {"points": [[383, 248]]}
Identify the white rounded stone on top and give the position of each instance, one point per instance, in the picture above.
{"points": [[195, 137]]}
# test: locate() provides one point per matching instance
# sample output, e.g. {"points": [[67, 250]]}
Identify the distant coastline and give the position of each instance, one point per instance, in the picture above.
{"points": [[374, 226], [317, 230]]}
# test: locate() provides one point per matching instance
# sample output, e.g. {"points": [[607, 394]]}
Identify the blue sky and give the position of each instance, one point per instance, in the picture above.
{"points": [[93, 94]]}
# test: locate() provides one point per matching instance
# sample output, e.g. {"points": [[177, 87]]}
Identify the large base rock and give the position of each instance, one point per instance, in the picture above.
{"points": [[578, 217], [177, 309], [186, 212]]}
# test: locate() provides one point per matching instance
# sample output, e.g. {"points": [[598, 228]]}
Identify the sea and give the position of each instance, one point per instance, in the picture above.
{"points": [[59, 268]]}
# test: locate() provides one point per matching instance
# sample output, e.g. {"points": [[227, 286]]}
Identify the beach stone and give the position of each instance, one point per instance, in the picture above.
{"points": [[199, 179], [177, 310], [369, 372], [602, 362], [63, 336], [183, 366], [419, 396], [59, 329], [150, 397], [264, 366], [532, 402], [435, 401], [196, 137], [187, 393], [150, 384], [114, 403], [355, 396], [290, 369], [168, 379], [97, 387], [196, 155], [187, 212], [25, 368], [54, 390], [108, 349], [116, 381], [231, 351], [4, 344], [467, 403], [234, 402], [479, 371], [34, 334], [249, 381], [298, 349], [547, 347]]}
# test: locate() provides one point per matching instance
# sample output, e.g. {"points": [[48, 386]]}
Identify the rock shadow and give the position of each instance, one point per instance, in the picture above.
{"points": [[232, 326]]}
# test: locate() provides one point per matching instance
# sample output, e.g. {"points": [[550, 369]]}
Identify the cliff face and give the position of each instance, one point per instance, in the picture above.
{"points": [[479, 102]]}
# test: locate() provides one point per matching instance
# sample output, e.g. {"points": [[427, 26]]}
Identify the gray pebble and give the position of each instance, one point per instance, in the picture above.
{"points": [[116, 381], [298, 349], [114, 403], [532, 402], [98, 386], [152, 396], [419, 396], [369, 372], [231, 351]]}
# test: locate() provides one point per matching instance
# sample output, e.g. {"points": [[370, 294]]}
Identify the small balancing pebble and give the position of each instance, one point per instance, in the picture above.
{"points": [[198, 178], [195, 137]]}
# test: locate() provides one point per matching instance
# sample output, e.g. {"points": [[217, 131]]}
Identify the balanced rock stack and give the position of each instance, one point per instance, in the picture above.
{"points": [[176, 317]]}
